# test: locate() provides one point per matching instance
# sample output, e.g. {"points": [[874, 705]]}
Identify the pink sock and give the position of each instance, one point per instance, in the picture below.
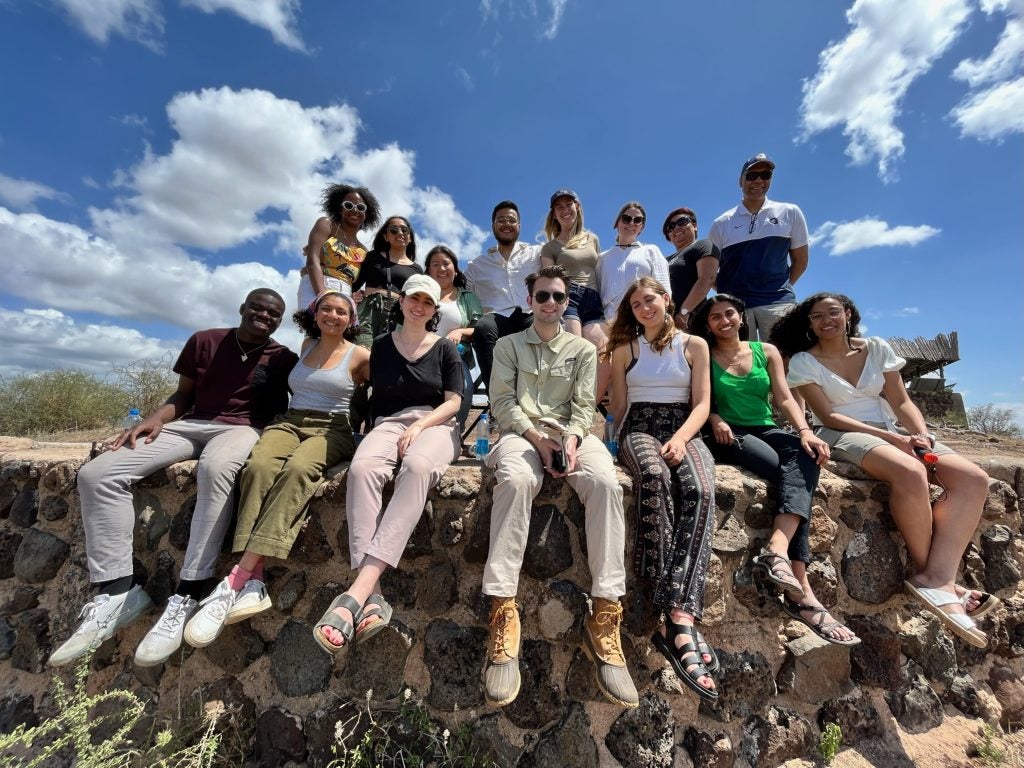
{"points": [[238, 577]]}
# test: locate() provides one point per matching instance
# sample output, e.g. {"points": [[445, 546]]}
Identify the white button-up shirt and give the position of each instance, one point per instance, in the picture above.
{"points": [[499, 283]]}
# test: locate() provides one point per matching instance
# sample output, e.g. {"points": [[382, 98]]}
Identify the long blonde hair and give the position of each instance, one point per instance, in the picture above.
{"points": [[626, 328], [579, 235]]}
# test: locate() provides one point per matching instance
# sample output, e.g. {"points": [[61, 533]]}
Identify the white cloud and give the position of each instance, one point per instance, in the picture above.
{"points": [[907, 312], [862, 79], [279, 17], [849, 236], [22, 193], [35, 339], [995, 105], [245, 165], [489, 10], [138, 20], [465, 78]]}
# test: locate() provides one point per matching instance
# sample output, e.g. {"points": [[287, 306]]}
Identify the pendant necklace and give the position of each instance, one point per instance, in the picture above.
{"points": [[246, 352]]}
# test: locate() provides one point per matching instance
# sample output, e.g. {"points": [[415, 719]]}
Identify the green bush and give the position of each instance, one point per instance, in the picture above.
{"points": [[69, 400]]}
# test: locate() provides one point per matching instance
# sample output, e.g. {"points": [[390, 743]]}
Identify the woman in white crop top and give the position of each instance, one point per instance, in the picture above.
{"points": [[288, 462], [661, 392], [853, 387]]}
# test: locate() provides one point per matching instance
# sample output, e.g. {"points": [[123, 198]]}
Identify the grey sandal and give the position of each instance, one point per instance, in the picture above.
{"points": [[331, 619], [381, 610], [778, 569]]}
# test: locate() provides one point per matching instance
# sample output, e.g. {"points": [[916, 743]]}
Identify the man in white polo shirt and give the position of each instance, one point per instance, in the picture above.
{"points": [[764, 249], [498, 277]]}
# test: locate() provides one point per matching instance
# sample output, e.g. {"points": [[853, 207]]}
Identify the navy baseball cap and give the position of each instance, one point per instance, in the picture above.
{"points": [[563, 193], [760, 157]]}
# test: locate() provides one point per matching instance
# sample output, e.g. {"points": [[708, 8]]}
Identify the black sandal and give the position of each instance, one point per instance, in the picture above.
{"points": [[687, 655], [706, 650], [778, 569], [331, 619]]}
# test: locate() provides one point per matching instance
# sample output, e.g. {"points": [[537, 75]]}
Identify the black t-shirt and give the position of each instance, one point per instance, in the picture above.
{"points": [[373, 273], [230, 390], [399, 383], [682, 268]]}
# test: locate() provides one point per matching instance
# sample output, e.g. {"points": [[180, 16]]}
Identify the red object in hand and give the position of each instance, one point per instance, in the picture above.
{"points": [[926, 456]]}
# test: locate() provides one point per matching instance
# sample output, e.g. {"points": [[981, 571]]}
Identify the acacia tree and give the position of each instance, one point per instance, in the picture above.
{"points": [[993, 420]]}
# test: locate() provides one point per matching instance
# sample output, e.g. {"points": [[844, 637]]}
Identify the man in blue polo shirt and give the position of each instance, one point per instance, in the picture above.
{"points": [[764, 249]]}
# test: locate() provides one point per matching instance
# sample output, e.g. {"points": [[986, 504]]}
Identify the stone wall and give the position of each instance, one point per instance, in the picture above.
{"points": [[780, 685], [941, 407]]}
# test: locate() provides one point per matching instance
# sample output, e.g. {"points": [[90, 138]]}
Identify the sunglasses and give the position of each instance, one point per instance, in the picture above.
{"points": [[682, 221], [627, 219], [348, 205], [755, 175], [543, 297], [396, 230]]}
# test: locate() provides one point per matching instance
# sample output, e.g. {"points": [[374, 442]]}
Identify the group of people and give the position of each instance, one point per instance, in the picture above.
{"points": [[692, 381]]}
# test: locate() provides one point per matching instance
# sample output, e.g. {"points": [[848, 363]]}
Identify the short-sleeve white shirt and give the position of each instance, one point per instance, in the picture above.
{"points": [[500, 284]]}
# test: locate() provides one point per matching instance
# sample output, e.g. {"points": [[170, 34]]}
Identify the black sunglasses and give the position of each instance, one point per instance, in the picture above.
{"points": [[627, 219], [754, 175], [394, 230], [543, 297], [682, 221]]}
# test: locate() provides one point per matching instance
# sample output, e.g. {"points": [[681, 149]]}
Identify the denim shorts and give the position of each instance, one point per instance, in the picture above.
{"points": [[584, 305]]}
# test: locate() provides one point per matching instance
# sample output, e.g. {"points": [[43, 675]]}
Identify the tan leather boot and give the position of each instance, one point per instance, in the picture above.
{"points": [[501, 674], [603, 646]]}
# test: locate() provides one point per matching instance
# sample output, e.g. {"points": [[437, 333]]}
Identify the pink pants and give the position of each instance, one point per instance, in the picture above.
{"points": [[383, 533]]}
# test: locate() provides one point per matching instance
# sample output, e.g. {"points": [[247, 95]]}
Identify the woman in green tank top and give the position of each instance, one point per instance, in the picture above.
{"points": [[743, 374]]}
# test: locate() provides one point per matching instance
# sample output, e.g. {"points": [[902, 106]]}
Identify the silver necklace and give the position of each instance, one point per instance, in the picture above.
{"points": [[246, 352]]}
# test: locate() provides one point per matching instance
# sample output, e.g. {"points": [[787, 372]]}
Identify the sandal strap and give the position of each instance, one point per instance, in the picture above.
{"points": [[825, 626], [378, 606], [331, 619], [686, 650]]}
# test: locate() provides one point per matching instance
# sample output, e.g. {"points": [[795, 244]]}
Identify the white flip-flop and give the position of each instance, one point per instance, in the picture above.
{"points": [[959, 624]]}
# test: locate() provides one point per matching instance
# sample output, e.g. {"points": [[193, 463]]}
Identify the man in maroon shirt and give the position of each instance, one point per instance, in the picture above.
{"points": [[231, 383]]}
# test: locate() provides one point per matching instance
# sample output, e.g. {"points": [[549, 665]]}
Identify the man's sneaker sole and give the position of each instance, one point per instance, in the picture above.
{"points": [[596, 660], [240, 614]]}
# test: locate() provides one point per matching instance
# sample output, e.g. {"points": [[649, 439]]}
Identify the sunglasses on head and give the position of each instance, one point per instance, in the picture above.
{"points": [[348, 205], [543, 297], [627, 219], [755, 175], [682, 221], [395, 229]]}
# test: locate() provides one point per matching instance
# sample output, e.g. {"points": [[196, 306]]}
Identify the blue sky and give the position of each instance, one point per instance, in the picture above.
{"points": [[158, 158]]}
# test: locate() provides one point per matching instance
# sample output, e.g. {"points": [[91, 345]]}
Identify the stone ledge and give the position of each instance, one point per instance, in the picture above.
{"points": [[777, 677]]}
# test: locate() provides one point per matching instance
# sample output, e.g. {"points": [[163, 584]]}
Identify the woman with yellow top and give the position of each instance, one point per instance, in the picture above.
{"points": [[333, 252]]}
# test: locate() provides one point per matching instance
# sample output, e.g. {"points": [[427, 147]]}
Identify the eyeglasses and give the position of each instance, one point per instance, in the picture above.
{"points": [[682, 221], [627, 219], [396, 230], [506, 220], [348, 205], [543, 297], [832, 314], [755, 175]]}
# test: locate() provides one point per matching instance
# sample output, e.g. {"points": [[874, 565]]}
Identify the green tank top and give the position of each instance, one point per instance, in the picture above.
{"points": [[742, 401]]}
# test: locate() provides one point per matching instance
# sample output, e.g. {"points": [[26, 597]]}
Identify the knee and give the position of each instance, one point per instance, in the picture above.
{"points": [[92, 474], [519, 482], [485, 331], [417, 466], [299, 471], [363, 471], [215, 469], [910, 476]]}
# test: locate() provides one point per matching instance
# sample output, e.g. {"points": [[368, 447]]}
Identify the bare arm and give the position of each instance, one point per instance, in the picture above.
{"points": [[620, 394], [907, 413], [798, 258], [699, 357], [317, 237], [812, 444], [175, 406], [707, 271], [359, 366]]}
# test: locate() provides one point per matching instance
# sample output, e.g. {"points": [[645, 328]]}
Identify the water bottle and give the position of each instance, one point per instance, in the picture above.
{"points": [[133, 418], [483, 437], [611, 441], [461, 348]]}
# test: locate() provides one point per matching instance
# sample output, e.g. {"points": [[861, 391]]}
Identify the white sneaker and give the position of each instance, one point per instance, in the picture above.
{"points": [[208, 622], [251, 600], [101, 618], [164, 638]]}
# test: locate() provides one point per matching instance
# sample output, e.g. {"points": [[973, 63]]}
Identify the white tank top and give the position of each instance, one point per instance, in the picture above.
{"points": [[660, 377]]}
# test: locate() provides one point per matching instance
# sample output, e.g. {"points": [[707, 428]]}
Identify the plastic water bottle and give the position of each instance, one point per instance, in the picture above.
{"points": [[483, 437], [611, 441], [133, 418], [461, 348]]}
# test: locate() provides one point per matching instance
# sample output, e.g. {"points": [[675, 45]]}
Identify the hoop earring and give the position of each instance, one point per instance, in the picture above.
{"points": [[810, 336]]}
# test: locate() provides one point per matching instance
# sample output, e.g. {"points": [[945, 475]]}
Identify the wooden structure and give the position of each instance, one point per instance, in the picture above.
{"points": [[926, 356]]}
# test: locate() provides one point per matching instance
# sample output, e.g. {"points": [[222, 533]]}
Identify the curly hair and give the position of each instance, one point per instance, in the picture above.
{"points": [[792, 333], [626, 328], [306, 321], [381, 245], [699, 317], [333, 196], [459, 281]]}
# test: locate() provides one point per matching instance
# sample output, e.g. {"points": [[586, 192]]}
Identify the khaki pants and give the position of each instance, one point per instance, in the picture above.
{"points": [[519, 474], [281, 475], [761, 319]]}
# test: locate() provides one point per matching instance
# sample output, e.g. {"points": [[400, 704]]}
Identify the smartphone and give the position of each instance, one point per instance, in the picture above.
{"points": [[558, 461]]}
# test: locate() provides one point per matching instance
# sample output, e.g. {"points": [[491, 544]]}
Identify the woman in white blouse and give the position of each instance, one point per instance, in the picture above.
{"points": [[853, 387]]}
